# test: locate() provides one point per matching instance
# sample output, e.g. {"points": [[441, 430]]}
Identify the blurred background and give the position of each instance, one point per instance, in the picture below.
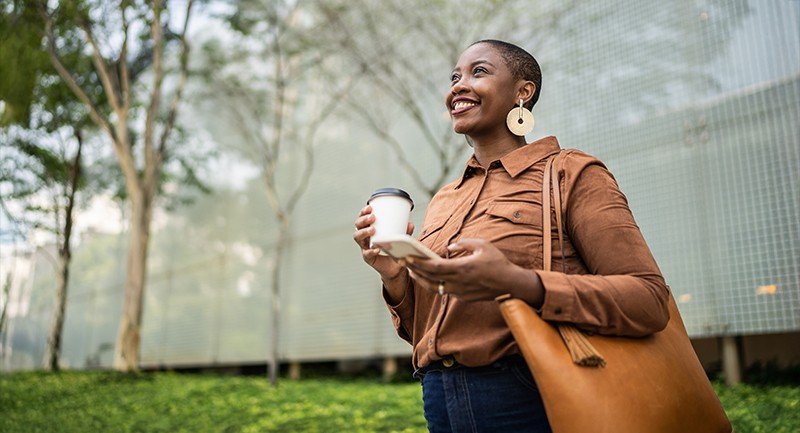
{"points": [[276, 121]]}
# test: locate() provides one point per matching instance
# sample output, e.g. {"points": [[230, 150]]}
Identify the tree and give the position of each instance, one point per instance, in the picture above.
{"points": [[111, 31], [42, 171], [46, 183], [269, 82]]}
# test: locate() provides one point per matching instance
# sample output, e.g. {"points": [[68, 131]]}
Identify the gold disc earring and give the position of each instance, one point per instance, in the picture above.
{"points": [[520, 120]]}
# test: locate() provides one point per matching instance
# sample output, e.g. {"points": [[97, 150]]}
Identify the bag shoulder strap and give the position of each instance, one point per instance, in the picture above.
{"points": [[552, 182], [547, 240], [581, 350]]}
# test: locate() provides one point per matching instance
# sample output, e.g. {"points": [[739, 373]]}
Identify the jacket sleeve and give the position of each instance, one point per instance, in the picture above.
{"points": [[403, 313], [623, 292]]}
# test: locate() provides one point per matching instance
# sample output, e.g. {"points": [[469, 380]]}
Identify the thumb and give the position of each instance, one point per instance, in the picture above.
{"points": [[466, 245]]}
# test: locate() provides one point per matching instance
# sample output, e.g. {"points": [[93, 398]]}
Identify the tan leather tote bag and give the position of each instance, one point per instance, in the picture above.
{"points": [[605, 384]]}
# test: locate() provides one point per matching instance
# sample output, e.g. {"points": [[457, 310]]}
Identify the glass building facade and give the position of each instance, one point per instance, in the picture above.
{"points": [[693, 105]]}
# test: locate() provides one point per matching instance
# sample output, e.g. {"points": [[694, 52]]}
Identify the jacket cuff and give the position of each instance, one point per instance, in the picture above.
{"points": [[401, 313], [559, 297]]}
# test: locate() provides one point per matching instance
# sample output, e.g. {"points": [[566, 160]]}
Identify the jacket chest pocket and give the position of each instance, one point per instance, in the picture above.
{"points": [[518, 212], [516, 229], [430, 235]]}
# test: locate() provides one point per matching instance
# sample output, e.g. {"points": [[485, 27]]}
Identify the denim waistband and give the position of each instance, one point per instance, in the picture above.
{"points": [[448, 364]]}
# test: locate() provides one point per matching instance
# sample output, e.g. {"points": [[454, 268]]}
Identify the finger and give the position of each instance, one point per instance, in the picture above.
{"points": [[369, 255], [372, 256], [363, 232], [364, 221], [410, 228], [470, 245], [365, 210], [439, 269], [435, 275], [363, 236]]}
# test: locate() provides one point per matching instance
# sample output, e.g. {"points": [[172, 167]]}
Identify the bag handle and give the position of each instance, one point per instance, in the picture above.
{"points": [[581, 350]]}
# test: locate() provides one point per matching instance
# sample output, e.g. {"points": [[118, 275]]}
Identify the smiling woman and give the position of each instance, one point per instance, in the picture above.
{"points": [[487, 228], [484, 84]]}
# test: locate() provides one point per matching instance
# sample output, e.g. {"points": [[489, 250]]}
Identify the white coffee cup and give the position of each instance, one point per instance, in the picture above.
{"points": [[391, 207]]}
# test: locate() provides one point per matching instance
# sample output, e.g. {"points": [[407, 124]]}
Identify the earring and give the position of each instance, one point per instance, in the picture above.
{"points": [[520, 120]]}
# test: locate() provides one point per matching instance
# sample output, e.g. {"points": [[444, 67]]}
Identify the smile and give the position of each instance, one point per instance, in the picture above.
{"points": [[462, 105]]}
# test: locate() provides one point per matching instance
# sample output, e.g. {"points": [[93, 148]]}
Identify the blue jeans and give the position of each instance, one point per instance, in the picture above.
{"points": [[501, 397]]}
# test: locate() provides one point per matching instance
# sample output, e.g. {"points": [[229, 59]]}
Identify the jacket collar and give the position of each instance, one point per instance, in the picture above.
{"points": [[520, 159]]}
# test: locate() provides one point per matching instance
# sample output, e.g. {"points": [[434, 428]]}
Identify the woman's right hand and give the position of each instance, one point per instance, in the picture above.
{"points": [[389, 268]]}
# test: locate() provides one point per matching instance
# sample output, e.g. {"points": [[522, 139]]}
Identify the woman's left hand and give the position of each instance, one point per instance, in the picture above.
{"points": [[483, 273]]}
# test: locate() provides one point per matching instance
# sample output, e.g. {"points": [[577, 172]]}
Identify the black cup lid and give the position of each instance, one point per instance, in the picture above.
{"points": [[391, 191]]}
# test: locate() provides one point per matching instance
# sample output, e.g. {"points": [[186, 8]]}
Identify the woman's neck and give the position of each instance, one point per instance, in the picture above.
{"points": [[490, 149]]}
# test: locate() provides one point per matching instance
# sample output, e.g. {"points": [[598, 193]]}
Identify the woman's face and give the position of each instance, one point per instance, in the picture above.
{"points": [[482, 91]]}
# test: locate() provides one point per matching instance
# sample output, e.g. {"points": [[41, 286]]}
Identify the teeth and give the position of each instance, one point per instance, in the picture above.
{"points": [[463, 104]]}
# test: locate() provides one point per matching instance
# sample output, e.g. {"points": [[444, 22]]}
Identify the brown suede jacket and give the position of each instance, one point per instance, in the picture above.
{"points": [[612, 284]]}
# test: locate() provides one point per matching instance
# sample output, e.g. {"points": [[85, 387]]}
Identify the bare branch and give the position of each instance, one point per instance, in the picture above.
{"points": [[157, 33], [75, 176], [382, 71], [245, 128], [55, 59], [102, 68], [280, 105], [315, 125], [274, 200], [125, 85], [176, 98], [245, 112], [396, 146]]}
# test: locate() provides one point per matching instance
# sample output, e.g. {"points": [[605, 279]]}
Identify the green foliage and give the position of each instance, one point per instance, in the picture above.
{"points": [[761, 409], [33, 94], [44, 126], [113, 402], [168, 402], [33, 160], [36, 178], [20, 41]]}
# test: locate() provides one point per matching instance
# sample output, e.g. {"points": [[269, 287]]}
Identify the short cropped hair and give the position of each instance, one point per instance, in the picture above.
{"points": [[522, 64]]}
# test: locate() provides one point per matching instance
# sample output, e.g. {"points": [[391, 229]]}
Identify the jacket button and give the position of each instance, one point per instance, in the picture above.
{"points": [[448, 362], [516, 214], [557, 310]]}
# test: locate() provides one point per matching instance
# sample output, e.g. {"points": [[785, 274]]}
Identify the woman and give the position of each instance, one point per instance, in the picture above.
{"points": [[487, 226]]}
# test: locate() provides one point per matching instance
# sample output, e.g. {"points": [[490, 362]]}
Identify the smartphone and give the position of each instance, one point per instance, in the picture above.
{"points": [[402, 246]]}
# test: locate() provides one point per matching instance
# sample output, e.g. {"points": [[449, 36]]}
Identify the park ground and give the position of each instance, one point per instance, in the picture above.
{"points": [[103, 401]]}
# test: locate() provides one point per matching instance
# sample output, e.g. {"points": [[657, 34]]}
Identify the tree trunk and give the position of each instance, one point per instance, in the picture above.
{"points": [[53, 349], [280, 251], [126, 351], [4, 309]]}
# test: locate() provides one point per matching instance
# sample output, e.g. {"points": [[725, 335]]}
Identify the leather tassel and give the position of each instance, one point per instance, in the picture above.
{"points": [[581, 350]]}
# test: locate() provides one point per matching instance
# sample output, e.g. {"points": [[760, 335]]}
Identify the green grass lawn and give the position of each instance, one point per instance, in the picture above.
{"points": [[169, 402]]}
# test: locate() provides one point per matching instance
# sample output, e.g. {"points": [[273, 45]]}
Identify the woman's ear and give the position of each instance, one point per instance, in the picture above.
{"points": [[526, 91]]}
